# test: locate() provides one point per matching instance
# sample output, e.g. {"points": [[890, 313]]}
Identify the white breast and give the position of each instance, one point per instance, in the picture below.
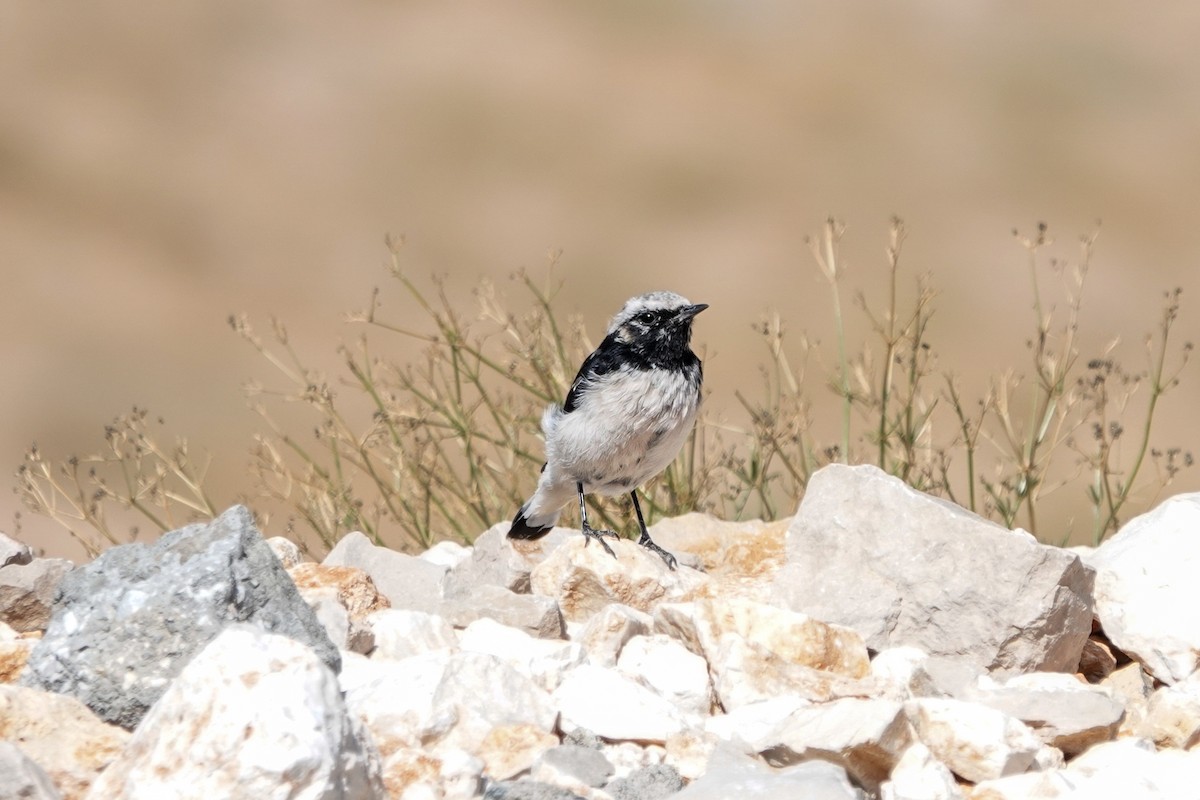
{"points": [[625, 430]]}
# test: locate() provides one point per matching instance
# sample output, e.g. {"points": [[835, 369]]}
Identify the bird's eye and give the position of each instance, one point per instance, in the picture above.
{"points": [[646, 317]]}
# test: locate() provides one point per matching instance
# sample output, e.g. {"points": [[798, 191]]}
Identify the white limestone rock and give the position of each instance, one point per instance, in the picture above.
{"points": [[734, 775], [976, 742], [402, 633], [534, 614], [59, 734], [1061, 710], [865, 737], [252, 715], [447, 554], [903, 568], [1119, 770], [920, 776], [665, 666], [394, 699], [496, 560], [543, 660], [1173, 715], [1147, 596], [406, 581], [481, 692], [607, 631], [615, 706], [584, 579]]}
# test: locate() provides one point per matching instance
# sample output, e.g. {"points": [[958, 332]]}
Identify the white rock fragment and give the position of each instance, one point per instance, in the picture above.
{"points": [[1173, 715], [615, 706], [584, 579], [59, 734], [607, 631], [1062, 711], [252, 715], [974, 741], [446, 554], [543, 660], [665, 666], [401, 633], [394, 699], [865, 737], [920, 776], [482, 692]]}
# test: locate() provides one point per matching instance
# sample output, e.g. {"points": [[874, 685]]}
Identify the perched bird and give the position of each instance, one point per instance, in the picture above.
{"points": [[626, 416]]}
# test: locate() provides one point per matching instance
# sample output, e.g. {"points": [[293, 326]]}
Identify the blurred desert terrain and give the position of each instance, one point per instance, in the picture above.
{"points": [[164, 165]]}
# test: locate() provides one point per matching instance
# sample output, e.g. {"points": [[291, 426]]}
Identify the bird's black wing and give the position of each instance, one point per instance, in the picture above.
{"points": [[603, 360]]}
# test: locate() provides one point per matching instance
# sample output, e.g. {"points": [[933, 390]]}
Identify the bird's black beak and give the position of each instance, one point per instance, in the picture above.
{"points": [[687, 312]]}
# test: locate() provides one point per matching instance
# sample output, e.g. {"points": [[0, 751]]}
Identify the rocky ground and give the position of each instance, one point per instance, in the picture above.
{"points": [[881, 644]]}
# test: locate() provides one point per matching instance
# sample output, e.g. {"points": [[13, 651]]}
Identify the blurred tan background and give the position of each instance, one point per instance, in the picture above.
{"points": [[163, 165]]}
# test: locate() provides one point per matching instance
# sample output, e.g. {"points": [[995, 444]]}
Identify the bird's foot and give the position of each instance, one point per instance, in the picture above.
{"points": [[649, 544], [591, 533]]}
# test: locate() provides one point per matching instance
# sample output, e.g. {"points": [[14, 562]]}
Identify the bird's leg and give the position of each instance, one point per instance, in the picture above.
{"points": [[645, 540], [588, 531]]}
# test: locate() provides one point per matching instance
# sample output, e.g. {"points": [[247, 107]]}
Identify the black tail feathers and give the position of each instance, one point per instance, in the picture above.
{"points": [[521, 529]]}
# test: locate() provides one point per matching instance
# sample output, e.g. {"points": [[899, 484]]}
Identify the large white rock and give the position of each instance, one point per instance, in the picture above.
{"points": [[1061, 710], [583, 579], [543, 660], [252, 715], [974, 741], [665, 666], [904, 568], [1147, 596], [615, 706]]}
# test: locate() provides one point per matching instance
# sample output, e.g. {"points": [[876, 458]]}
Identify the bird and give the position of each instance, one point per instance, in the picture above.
{"points": [[626, 416]]}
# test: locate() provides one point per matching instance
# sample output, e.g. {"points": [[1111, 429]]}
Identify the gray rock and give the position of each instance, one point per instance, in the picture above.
{"points": [[22, 779], [497, 561], [904, 568], [648, 783], [13, 552], [527, 790], [735, 775], [536, 615], [27, 592], [583, 738], [126, 624], [406, 581], [575, 763]]}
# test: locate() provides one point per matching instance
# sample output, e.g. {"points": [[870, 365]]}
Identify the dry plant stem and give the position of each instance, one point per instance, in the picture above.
{"points": [[1115, 500], [825, 251]]}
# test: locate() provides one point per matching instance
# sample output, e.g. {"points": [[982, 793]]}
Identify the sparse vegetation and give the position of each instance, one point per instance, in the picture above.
{"points": [[445, 447]]}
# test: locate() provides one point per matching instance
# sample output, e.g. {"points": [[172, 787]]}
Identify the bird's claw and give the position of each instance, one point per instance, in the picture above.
{"points": [[591, 533], [649, 544]]}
